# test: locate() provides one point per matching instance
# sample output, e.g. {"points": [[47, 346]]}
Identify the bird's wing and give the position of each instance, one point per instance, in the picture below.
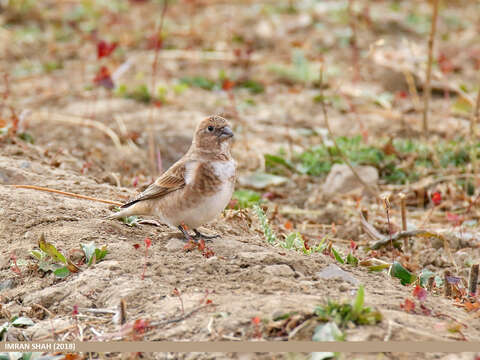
{"points": [[173, 179]]}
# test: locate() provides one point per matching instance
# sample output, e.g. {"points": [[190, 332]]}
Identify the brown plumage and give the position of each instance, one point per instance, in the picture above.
{"points": [[197, 187]]}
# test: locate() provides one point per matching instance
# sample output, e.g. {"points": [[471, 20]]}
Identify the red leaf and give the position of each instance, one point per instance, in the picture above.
{"points": [[104, 49], [208, 301], [436, 198], [408, 305], [256, 320], [140, 325], [75, 310], [148, 242], [353, 245], [227, 85], [103, 78], [269, 195], [136, 246], [446, 66], [420, 293], [288, 225]]}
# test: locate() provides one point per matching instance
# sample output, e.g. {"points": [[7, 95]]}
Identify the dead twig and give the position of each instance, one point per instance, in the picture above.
{"points": [[393, 239], [403, 208], [448, 286], [473, 280], [158, 44], [79, 121]]}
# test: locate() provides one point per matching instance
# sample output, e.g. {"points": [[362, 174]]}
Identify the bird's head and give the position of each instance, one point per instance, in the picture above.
{"points": [[213, 134]]}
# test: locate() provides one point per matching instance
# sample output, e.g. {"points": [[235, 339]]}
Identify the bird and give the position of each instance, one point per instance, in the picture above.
{"points": [[195, 189]]}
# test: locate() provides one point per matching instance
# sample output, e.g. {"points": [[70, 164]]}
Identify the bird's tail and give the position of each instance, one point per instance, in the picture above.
{"points": [[139, 208]]}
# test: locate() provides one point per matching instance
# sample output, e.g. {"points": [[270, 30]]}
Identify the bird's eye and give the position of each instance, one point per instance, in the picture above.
{"points": [[210, 128]]}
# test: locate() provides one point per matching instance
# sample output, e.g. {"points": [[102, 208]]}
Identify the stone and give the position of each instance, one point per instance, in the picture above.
{"points": [[341, 180], [332, 271]]}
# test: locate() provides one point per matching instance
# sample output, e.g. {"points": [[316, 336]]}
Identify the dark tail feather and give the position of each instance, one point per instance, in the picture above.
{"points": [[124, 206]]}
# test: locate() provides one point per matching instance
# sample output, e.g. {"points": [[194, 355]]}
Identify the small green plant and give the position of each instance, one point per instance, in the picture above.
{"points": [[201, 82], [292, 241], [390, 159], [16, 321], [346, 313], [245, 198], [50, 259], [267, 230], [300, 71]]}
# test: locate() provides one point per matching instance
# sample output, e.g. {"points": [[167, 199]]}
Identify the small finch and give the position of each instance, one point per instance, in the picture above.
{"points": [[195, 189]]}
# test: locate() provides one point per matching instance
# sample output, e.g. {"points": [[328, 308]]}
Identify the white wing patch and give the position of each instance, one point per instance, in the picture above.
{"points": [[190, 168]]}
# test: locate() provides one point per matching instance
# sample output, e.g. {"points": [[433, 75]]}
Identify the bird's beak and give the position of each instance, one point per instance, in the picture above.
{"points": [[226, 133]]}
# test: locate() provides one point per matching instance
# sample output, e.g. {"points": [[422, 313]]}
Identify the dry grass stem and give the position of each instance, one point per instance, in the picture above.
{"points": [[78, 196], [428, 74]]}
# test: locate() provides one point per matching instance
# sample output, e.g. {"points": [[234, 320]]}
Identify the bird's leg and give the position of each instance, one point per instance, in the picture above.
{"points": [[199, 235], [185, 233]]}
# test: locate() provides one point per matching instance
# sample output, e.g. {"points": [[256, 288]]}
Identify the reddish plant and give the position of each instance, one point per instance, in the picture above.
{"points": [[148, 243], [103, 78], [436, 198], [420, 293], [15, 267], [105, 49]]}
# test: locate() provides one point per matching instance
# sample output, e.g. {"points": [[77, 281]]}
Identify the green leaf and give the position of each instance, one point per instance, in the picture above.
{"points": [[23, 321], [438, 281], [47, 266], [260, 180], [378, 267], [253, 86], [425, 276], [26, 137], [51, 250], [269, 234], [405, 276], [358, 304], [337, 256], [352, 260], [39, 255], [324, 355], [245, 198], [130, 220], [271, 161], [89, 251], [327, 332], [62, 272], [27, 356], [101, 253]]}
